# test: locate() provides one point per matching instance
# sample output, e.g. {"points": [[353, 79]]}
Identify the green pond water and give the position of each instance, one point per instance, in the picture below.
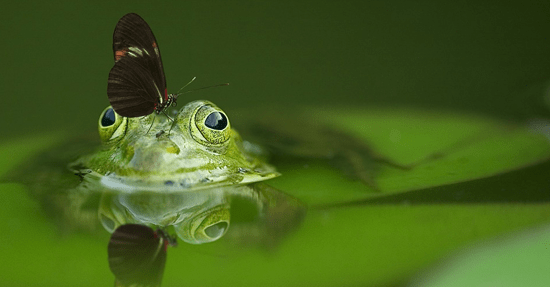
{"points": [[460, 90]]}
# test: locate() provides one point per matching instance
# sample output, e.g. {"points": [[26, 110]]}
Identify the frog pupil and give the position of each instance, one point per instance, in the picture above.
{"points": [[216, 121], [108, 118]]}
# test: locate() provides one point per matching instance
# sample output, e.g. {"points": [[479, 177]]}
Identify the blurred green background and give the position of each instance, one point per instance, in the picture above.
{"points": [[465, 57]]}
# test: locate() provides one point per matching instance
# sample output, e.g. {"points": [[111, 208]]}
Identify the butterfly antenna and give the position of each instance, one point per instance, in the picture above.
{"points": [[185, 85], [218, 85]]}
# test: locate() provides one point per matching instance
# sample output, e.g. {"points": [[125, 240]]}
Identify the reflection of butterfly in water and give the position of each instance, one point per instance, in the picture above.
{"points": [[137, 85], [137, 254]]}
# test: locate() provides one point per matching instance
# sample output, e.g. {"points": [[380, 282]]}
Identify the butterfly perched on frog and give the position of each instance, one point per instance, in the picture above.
{"points": [[137, 84]]}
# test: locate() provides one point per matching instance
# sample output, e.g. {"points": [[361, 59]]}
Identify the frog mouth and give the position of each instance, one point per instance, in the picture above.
{"points": [[184, 182]]}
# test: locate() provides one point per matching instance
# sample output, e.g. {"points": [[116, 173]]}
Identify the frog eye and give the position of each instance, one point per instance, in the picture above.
{"points": [[216, 121], [111, 125], [212, 124], [109, 118]]}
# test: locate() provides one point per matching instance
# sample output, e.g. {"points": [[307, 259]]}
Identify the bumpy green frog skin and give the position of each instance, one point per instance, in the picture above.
{"points": [[197, 150]]}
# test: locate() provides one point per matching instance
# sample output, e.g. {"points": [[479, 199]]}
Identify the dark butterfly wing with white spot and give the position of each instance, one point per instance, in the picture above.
{"points": [[138, 72], [132, 31], [131, 90], [137, 255]]}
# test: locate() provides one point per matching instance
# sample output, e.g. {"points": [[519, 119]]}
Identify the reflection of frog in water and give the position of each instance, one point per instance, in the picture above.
{"points": [[260, 214]]}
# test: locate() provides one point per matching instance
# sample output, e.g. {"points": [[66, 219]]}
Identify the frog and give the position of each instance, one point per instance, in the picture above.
{"points": [[179, 172], [199, 151]]}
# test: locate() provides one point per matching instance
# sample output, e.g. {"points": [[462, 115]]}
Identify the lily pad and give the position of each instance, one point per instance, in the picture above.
{"points": [[16, 151], [443, 148], [509, 260]]}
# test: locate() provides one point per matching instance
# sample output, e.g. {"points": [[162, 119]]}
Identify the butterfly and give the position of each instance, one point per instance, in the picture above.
{"points": [[137, 85], [137, 254]]}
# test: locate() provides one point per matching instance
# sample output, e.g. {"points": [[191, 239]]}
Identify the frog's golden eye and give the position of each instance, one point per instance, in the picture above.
{"points": [[111, 125], [212, 124]]}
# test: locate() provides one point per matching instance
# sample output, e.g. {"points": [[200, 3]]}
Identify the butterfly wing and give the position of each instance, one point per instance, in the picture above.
{"points": [[130, 88], [136, 82], [137, 255]]}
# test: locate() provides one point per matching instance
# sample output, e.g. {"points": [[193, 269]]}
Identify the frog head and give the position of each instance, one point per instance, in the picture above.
{"points": [[196, 149]]}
